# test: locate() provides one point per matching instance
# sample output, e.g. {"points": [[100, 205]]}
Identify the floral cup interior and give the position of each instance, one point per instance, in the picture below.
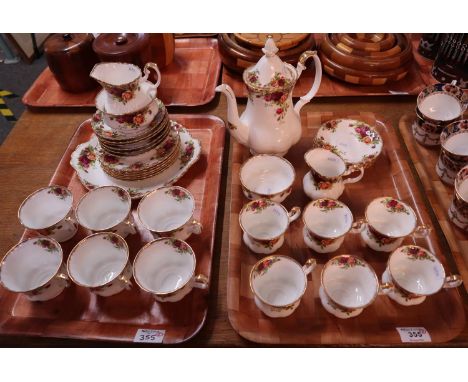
{"points": [[166, 209], [325, 163], [30, 264], [263, 219], [457, 144], [115, 73], [164, 266], [349, 281], [391, 217], [328, 218], [278, 280], [103, 208], [440, 107], [98, 259], [267, 174], [45, 207], [461, 183], [416, 270]]}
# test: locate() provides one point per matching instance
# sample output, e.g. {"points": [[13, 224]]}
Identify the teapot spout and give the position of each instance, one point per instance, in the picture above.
{"points": [[236, 127]]}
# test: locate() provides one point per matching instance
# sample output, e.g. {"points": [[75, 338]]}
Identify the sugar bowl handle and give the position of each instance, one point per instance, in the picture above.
{"points": [[317, 80], [146, 70]]}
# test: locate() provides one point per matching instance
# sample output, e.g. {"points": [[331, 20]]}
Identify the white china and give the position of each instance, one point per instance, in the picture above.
{"points": [[270, 124], [267, 176], [326, 222], [278, 284], [168, 212], [166, 268], [34, 267], [100, 262], [356, 142], [325, 178], [106, 208], [49, 211], [348, 285], [264, 223], [92, 175], [458, 211], [415, 273]]}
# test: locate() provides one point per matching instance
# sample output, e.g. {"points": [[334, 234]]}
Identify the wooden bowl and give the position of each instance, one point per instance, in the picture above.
{"points": [[368, 37], [384, 44], [402, 42], [283, 41]]}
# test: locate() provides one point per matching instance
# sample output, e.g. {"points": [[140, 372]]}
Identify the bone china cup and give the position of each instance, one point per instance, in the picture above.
{"points": [[49, 212], [264, 223], [168, 212], [166, 268], [458, 211], [35, 267], [325, 179], [326, 222], [106, 208], [100, 262], [416, 273], [348, 285], [278, 284], [267, 176]]}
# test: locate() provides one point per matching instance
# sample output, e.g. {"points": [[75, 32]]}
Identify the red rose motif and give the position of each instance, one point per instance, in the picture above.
{"points": [[127, 95], [392, 203], [276, 96], [281, 82], [138, 119], [96, 117], [279, 110]]}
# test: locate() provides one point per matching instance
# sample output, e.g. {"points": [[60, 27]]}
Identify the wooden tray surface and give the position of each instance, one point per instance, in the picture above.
{"points": [[439, 194], [442, 315], [79, 314], [412, 84], [189, 80]]}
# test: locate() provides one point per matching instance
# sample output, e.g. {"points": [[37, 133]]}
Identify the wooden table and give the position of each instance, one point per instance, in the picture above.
{"points": [[31, 152]]}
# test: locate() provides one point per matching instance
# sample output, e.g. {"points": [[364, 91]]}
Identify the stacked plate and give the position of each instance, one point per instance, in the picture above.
{"points": [[366, 58]]}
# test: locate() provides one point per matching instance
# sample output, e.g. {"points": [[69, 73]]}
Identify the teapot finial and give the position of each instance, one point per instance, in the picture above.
{"points": [[270, 48]]}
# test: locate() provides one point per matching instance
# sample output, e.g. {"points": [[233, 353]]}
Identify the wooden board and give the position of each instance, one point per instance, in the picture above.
{"points": [[189, 80], [78, 314], [439, 194], [443, 314]]}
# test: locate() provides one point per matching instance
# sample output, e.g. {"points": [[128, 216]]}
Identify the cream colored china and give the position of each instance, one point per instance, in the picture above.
{"points": [[348, 285], [327, 169], [270, 124], [388, 221], [267, 176], [166, 268], [168, 212], [278, 284], [106, 208], [458, 211], [34, 267], [264, 223], [100, 262], [326, 222], [415, 273], [49, 212]]}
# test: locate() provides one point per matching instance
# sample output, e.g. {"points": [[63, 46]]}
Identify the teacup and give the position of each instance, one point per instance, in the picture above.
{"points": [[106, 208], [388, 221], [35, 267], [100, 262], [326, 222], [426, 133], [348, 285], [327, 169], [267, 176], [278, 284], [166, 268], [168, 212], [458, 211], [414, 274], [454, 153], [49, 211], [264, 223]]}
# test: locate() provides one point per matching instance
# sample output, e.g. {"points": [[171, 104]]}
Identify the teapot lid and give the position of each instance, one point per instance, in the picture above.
{"points": [[62, 43], [269, 68]]}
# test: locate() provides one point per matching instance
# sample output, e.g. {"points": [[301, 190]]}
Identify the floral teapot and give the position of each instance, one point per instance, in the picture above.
{"points": [[270, 123]]}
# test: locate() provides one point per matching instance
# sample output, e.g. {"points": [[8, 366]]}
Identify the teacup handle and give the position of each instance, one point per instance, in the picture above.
{"points": [[294, 214], [422, 231], [358, 226], [126, 281], [386, 288], [309, 266], [64, 277], [146, 70], [196, 227], [453, 281], [356, 178], [201, 282]]}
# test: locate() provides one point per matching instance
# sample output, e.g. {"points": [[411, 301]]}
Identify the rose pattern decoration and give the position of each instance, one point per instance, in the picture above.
{"points": [[331, 125], [46, 244], [122, 95], [266, 264], [180, 246], [347, 262], [366, 134], [323, 185], [188, 153], [326, 205], [115, 241], [321, 242], [268, 244], [321, 143], [121, 194], [381, 240], [177, 194], [416, 253], [87, 158], [167, 146], [394, 206], [258, 205], [59, 192]]}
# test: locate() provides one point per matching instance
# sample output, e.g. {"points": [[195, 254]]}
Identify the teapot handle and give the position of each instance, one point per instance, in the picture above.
{"points": [[318, 78], [146, 70]]}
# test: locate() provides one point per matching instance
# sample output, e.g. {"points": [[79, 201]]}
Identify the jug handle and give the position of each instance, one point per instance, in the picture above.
{"points": [[146, 70], [318, 78]]}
